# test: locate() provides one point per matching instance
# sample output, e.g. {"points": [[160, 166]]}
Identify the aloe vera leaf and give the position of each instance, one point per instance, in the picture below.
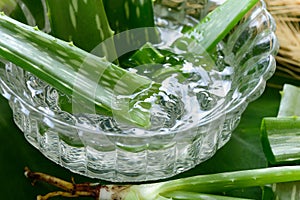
{"points": [[201, 39], [215, 183], [183, 195], [133, 23], [218, 23], [76, 72], [82, 22], [35, 13], [129, 14], [147, 54], [267, 193]]}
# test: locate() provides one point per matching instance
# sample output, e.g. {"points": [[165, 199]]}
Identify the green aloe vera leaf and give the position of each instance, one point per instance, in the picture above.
{"points": [[129, 14], [203, 38], [147, 54], [218, 23], [82, 22], [77, 73], [133, 24], [184, 195], [214, 183]]}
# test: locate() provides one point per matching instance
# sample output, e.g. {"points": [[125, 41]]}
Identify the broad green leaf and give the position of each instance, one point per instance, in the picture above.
{"points": [[82, 22], [129, 14], [133, 22]]}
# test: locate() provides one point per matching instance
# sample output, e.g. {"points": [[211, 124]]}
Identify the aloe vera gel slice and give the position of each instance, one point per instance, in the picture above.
{"points": [[281, 135]]}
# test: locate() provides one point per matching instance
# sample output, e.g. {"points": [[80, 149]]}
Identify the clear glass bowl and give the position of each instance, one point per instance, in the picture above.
{"points": [[88, 145]]}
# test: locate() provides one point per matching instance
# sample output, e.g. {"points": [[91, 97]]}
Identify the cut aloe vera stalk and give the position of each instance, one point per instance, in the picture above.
{"points": [[280, 135], [281, 139]]}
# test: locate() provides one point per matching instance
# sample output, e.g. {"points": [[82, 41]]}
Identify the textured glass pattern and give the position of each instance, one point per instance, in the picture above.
{"points": [[93, 146]]}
